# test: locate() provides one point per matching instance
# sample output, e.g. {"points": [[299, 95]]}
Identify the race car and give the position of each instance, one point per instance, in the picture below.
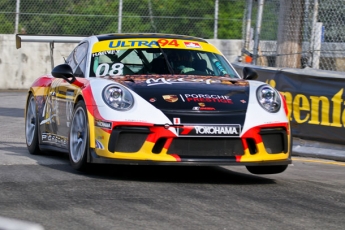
{"points": [[156, 99]]}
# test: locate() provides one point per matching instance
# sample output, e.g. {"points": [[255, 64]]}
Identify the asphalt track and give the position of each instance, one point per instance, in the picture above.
{"points": [[45, 190]]}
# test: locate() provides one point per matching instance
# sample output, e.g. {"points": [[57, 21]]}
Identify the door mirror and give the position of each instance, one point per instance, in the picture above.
{"points": [[64, 71], [249, 74]]}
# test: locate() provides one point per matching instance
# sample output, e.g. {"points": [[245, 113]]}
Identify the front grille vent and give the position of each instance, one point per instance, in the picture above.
{"points": [[211, 147]]}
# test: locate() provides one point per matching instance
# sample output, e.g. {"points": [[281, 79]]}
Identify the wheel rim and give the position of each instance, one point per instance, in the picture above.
{"points": [[30, 123], [78, 135]]}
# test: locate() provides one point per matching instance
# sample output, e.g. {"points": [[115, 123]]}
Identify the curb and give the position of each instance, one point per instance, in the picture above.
{"points": [[315, 149]]}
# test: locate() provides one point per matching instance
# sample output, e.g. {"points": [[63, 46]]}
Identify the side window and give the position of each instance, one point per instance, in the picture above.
{"points": [[71, 61], [77, 59]]}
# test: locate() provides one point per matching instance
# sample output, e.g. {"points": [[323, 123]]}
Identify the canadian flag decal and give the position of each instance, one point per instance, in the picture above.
{"points": [[192, 44]]}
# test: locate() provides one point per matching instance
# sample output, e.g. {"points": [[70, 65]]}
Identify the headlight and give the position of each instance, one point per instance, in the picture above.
{"points": [[268, 98], [118, 97]]}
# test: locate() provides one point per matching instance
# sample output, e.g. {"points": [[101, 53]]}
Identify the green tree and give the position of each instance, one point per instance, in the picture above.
{"points": [[231, 19], [86, 17], [7, 27]]}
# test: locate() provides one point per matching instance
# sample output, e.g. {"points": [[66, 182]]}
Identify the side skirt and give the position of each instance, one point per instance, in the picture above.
{"points": [[47, 148]]}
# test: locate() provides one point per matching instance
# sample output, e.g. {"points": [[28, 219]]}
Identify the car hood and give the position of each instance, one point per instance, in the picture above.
{"points": [[195, 98]]}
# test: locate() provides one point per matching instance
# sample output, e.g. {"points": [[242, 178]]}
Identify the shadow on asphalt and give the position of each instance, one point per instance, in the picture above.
{"points": [[11, 112], [167, 174], [20, 149], [146, 173]]}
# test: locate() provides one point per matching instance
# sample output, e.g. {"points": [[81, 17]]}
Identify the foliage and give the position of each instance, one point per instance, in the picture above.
{"points": [[6, 27], [231, 19], [86, 17]]}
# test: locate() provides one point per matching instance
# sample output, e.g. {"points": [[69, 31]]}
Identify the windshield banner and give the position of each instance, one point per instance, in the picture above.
{"points": [[144, 43]]}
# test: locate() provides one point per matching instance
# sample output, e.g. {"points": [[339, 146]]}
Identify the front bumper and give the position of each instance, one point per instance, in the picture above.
{"points": [[94, 158], [156, 145]]}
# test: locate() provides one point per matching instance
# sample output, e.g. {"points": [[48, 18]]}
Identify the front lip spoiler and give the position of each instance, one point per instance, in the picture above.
{"points": [[185, 161]]}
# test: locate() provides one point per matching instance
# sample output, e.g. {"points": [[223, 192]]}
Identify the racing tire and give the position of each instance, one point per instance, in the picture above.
{"points": [[31, 127], [78, 146], [274, 169]]}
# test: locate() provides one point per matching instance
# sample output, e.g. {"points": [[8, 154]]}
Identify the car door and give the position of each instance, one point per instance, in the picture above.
{"points": [[59, 107]]}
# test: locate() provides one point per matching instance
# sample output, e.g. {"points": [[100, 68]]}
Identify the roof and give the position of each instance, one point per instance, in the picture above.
{"points": [[104, 37]]}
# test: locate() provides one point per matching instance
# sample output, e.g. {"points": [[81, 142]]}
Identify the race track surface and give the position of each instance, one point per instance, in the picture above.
{"points": [[47, 191]]}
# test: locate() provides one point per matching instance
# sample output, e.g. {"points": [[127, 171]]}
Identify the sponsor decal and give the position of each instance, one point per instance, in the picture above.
{"points": [[103, 124], [169, 81], [203, 107], [192, 44], [209, 130], [207, 98], [144, 43], [104, 53], [177, 120], [50, 110], [170, 98], [69, 112], [196, 108], [207, 109], [132, 43], [54, 139], [69, 93], [99, 145], [135, 120], [218, 130], [167, 42]]}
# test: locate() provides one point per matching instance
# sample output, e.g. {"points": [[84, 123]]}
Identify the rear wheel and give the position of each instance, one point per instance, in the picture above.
{"points": [[31, 127], [78, 138], [272, 169]]}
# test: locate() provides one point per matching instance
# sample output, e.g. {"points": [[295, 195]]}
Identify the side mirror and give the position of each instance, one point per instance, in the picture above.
{"points": [[249, 74], [64, 71]]}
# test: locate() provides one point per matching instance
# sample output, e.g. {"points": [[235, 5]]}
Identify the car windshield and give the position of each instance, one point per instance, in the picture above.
{"points": [[159, 61]]}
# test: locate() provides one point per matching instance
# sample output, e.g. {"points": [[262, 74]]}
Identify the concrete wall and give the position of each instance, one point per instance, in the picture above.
{"points": [[20, 67]]}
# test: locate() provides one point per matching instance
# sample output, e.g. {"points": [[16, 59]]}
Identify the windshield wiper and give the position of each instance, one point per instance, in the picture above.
{"points": [[166, 59]]}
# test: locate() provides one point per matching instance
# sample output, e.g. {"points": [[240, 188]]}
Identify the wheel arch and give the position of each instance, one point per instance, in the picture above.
{"points": [[90, 118], [34, 146], [27, 101], [31, 92]]}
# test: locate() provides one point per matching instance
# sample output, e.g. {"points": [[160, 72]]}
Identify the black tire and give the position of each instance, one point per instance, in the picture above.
{"points": [[274, 169], [31, 127], [78, 144]]}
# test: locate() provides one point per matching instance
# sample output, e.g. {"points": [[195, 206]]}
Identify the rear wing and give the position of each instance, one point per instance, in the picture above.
{"points": [[47, 38]]}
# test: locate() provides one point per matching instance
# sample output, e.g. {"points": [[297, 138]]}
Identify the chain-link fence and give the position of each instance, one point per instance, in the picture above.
{"points": [[300, 33], [202, 18], [292, 33]]}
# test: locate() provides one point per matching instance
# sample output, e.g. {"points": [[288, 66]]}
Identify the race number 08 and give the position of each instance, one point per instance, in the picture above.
{"points": [[103, 69]]}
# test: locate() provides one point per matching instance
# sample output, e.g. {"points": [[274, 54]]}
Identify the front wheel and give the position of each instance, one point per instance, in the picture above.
{"points": [[31, 127], [272, 169], [78, 138]]}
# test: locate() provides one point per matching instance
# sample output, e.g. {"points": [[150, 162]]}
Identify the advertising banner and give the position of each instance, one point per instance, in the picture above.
{"points": [[315, 101]]}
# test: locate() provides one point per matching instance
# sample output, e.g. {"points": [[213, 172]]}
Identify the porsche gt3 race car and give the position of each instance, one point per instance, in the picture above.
{"points": [[156, 99]]}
